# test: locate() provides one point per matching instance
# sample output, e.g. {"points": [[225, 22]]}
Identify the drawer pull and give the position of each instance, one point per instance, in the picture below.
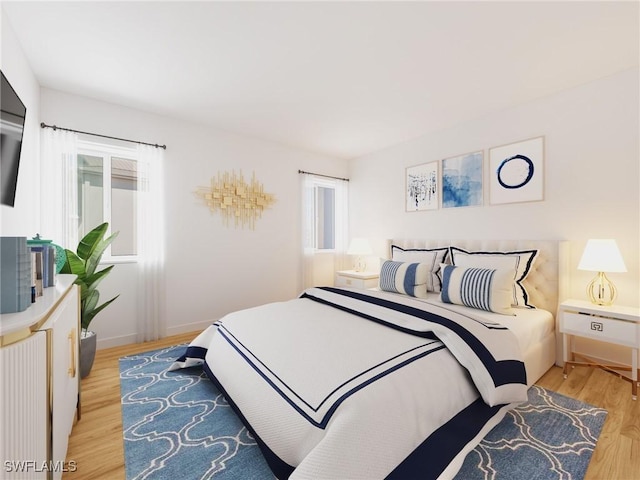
{"points": [[72, 345], [597, 326]]}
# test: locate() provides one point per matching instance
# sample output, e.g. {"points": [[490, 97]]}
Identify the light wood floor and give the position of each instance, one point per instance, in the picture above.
{"points": [[97, 448]]}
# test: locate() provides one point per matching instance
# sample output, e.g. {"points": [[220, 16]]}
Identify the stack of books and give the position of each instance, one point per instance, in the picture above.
{"points": [[28, 267], [16, 275], [43, 264]]}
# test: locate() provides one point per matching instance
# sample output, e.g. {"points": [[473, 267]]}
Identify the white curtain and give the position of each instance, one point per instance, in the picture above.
{"points": [[342, 224], [308, 230], [151, 234], [59, 187], [318, 266]]}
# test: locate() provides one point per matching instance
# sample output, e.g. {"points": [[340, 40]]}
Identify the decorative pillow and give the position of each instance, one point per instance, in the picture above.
{"points": [[432, 257], [481, 288], [518, 263], [404, 277]]}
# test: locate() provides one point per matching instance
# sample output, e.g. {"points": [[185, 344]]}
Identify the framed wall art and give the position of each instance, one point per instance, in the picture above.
{"points": [[462, 180], [422, 188], [516, 172]]}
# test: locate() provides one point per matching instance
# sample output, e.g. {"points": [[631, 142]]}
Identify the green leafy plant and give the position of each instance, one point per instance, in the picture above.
{"points": [[83, 263]]}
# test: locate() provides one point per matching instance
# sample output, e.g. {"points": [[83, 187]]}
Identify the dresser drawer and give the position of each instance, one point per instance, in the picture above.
{"points": [[600, 328]]}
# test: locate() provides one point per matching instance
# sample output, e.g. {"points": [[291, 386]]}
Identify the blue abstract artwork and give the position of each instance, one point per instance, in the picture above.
{"points": [[462, 180]]}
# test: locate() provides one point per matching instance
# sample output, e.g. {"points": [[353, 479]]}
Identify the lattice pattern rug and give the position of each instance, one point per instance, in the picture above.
{"points": [[178, 425]]}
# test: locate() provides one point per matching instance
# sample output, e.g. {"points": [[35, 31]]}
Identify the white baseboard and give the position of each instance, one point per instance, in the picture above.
{"points": [[115, 341], [132, 338], [602, 360], [189, 327]]}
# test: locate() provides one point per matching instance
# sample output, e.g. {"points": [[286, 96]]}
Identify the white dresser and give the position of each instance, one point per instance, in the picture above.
{"points": [[40, 383]]}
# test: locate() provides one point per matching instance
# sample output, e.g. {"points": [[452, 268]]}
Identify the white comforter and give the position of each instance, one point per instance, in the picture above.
{"points": [[354, 384]]}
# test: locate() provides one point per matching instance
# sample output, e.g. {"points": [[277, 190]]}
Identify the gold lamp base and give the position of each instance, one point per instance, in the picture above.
{"points": [[601, 291]]}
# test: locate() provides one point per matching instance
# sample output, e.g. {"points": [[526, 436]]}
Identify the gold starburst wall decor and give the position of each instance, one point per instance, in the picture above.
{"points": [[236, 199]]}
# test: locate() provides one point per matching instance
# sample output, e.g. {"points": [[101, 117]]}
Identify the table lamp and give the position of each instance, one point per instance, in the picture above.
{"points": [[360, 247], [602, 255]]}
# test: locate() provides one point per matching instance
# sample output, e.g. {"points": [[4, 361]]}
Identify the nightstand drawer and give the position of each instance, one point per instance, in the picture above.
{"points": [[600, 328], [347, 278], [347, 281]]}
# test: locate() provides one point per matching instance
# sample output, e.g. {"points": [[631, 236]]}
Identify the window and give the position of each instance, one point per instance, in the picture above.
{"points": [[325, 202], [325, 213], [107, 192]]}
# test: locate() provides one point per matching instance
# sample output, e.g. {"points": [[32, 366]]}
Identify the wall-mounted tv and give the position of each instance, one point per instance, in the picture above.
{"points": [[12, 115]]}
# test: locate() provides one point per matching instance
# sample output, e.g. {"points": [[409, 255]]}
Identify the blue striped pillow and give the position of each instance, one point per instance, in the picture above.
{"points": [[432, 257], [481, 288], [403, 277]]}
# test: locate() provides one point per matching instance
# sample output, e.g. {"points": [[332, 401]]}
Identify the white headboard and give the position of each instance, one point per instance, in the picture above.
{"points": [[541, 283]]}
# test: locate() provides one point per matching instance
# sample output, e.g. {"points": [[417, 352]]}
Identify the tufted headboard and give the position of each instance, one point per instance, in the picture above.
{"points": [[541, 283]]}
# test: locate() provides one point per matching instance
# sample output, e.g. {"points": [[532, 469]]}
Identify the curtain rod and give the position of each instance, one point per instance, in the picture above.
{"points": [[55, 127], [321, 175]]}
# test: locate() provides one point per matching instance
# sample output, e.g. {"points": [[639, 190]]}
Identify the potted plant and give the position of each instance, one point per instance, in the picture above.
{"points": [[84, 263]]}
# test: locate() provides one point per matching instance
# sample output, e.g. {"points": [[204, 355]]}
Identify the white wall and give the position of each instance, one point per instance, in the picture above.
{"points": [[592, 173], [23, 219], [211, 269], [592, 178]]}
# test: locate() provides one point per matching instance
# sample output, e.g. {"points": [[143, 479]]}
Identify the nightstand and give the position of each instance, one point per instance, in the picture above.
{"points": [[351, 278], [613, 324]]}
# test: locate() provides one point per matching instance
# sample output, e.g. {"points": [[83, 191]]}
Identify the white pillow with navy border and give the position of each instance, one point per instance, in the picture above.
{"points": [[518, 263]]}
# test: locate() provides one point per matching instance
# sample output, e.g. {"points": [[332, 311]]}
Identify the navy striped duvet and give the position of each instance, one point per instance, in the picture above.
{"points": [[344, 383]]}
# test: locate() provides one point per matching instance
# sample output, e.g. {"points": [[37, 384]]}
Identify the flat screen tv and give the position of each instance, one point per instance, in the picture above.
{"points": [[12, 117]]}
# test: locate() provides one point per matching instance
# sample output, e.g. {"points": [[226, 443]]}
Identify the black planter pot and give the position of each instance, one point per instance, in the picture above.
{"points": [[87, 352]]}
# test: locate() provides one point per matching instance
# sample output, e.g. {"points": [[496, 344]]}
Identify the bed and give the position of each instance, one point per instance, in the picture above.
{"points": [[398, 382]]}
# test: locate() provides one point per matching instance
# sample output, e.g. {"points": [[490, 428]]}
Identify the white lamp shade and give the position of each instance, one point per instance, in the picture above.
{"points": [[602, 255], [359, 246]]}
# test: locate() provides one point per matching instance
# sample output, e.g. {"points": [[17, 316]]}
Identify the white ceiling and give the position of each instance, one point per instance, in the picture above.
{"points": [[340, 78]]}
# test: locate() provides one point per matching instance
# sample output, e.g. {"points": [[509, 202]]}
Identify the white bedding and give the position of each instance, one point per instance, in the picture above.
{"points": [[529, 325], [332, 394]]}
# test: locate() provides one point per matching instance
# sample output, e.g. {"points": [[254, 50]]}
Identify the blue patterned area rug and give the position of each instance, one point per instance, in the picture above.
{"points": [[178, 425]]}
